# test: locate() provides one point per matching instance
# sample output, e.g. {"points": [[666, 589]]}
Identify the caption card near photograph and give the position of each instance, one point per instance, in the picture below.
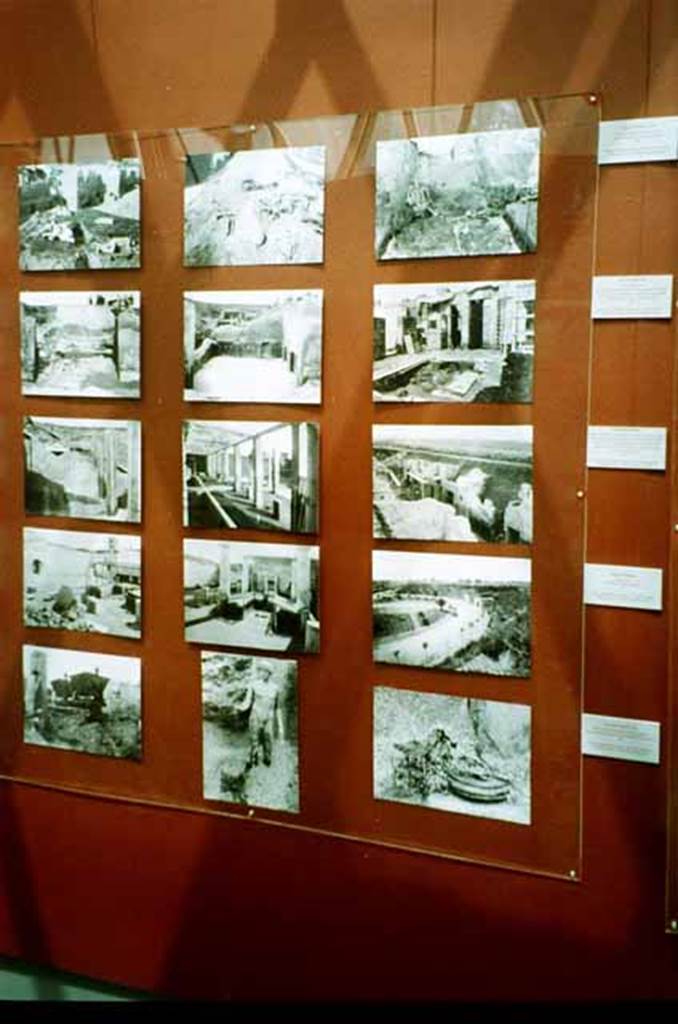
{"points": [[623, 586], [624, 739], [632, 297], [638, 140], [626, 448]]}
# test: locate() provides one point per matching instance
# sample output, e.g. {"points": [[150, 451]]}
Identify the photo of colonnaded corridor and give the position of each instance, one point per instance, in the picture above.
{"points": [[252, 475], [458, 342], [80, 344], [254, 346], [455, 612], [84, 469], [77, 700], [263, 596], [87, 582], [254, 207], [456, 754], [80, 216], [456, 483], [250, 730], [472, 194]]}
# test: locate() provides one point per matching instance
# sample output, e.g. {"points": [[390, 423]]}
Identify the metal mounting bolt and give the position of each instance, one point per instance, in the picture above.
{"points": [[581, 494], [573, 873], [673, 925]]}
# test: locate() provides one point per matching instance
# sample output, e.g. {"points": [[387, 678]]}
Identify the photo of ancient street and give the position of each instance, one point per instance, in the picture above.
{"points": [[251, 475], [456, 483], [77, 700], [454, 754], [263, 596], [469, 341], [472, 194], [80, 216], [87, 582], [250, 731], [455, 612], [254, 207], [254, 346], [80, 344], [83, 469]]}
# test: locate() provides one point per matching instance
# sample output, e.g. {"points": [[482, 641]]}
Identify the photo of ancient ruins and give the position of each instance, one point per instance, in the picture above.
{"points": [[253, 346], [86, 582], [455, 754], [82, 468], [80, 216], [80, 344], [251, 475], [262, 596], [250, 730], [455, 612], [254, 207], [77, 700], [471, 194], [455, 483], [469, 341]]}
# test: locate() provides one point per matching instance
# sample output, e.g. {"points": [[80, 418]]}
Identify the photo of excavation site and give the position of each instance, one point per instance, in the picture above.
{"points": [[251, 475], [254, 207], [255, 346], [80, 344], [83, 469], [263, 596], [470, 194], [80, 216], [455, 754], [460, 483], [455, 612], [86, 582], [470, 341], [249, 730], [75, 700]]}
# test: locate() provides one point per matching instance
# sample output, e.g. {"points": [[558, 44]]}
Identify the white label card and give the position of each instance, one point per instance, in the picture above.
{"points": [[623, 586], [638, 140], [626, 448], [628, 297], [626, 739]]}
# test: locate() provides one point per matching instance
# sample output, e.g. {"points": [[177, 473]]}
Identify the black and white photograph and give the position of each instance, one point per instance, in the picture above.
{"points": [[77, 700], [82, 468], [461, 613], [80, 344], [455, 754], [455, 483], [250, 731], [471, 194], [254, 207], [250, 474], [80, 216], [253, 346], [87, 582], [263, 596], [470, 341]]}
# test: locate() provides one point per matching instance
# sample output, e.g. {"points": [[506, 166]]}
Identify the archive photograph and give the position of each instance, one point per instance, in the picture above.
{"points": [[76, 700], [250, 734], [456, 612], [80, 344], [472, 194], [471, 341], [255, 207], [255, 346], [87, 582], [251, 474], [80, 216], [454, 754], [82, 468], [461, 483], [263, 596]]}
